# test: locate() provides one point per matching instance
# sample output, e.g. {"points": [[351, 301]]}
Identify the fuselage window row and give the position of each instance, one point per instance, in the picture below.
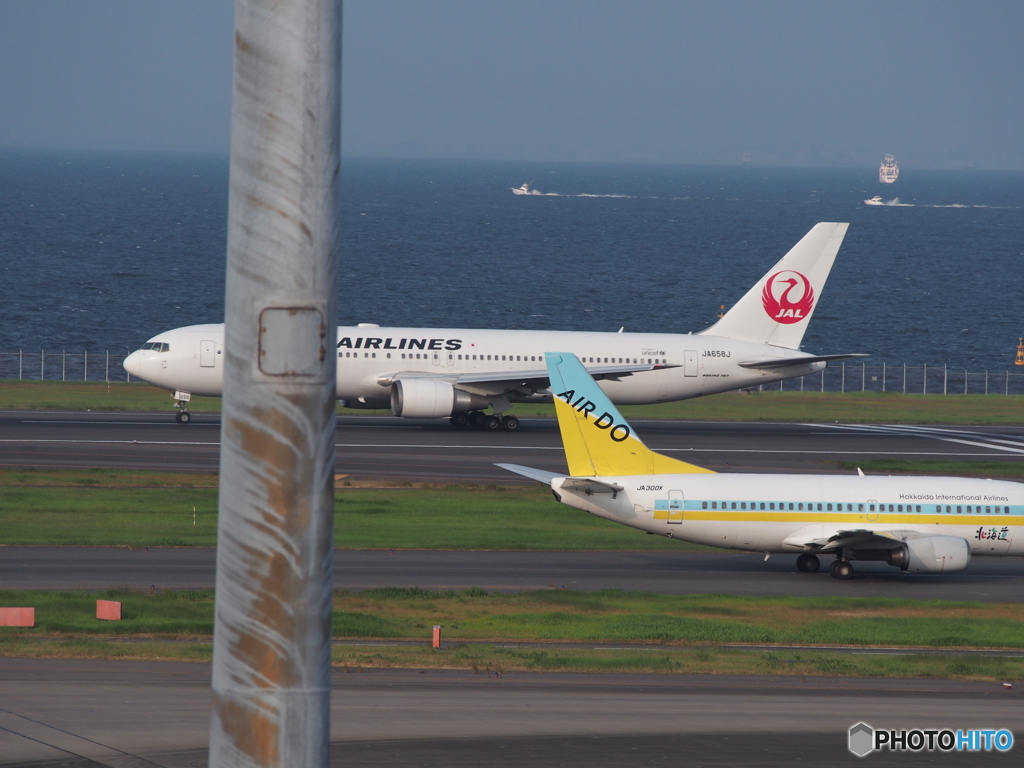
{"points": [[825, 507]]}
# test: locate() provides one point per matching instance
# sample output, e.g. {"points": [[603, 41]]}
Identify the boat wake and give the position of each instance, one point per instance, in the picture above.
{"points": [[525, 190], [895, 203]]}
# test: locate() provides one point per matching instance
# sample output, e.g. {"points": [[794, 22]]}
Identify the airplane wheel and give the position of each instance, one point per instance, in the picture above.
{"points": [[841, 569], [808, 563], [492, 423], [183, 417], [510, 423], [477, 418], [459, 419]]}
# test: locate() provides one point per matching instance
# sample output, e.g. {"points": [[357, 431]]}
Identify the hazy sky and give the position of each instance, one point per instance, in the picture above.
{"points": [[939, 84]]}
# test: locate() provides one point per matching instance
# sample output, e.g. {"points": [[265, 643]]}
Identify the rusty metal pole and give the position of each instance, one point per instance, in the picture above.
{"points": [[271, 659]]}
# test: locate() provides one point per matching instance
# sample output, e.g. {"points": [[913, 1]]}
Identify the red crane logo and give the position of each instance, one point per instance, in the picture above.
{"points": [[780, 302]]}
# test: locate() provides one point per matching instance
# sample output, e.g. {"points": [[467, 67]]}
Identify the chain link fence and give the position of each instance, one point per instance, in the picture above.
{"points": [[841, 377], [908, 380], [63, 366]]}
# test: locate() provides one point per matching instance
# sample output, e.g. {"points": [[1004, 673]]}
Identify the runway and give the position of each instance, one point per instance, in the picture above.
{"points": [[434, 451], [677, 573], [128, 714]]}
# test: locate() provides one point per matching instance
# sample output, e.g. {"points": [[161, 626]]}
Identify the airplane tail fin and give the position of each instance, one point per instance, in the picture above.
{"points": [[597, 440], [778, 308]]}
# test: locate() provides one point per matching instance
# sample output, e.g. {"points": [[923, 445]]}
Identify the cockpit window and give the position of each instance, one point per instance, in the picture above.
{"points": [[147, 345], [156, 346]]}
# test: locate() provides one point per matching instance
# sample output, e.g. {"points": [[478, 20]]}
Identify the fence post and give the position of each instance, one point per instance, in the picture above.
{"points": [[63, 365], [945, 377], [801, 383], [42, 357], [863, 375], [823, 377], [106, 369], [883, 377], [965, 381], [21, 354], [924, 390], [904, 378], [1007, 383], [85, 366], [986, 381], [842, 385]]}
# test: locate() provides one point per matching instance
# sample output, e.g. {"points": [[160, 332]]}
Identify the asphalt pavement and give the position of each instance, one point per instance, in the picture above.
{"points": [[133, 714]]}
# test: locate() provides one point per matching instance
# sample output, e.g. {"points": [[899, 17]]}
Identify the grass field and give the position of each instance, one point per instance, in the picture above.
{"points": [[939, 467], [857, 407], [136, 508], [178, 625]]}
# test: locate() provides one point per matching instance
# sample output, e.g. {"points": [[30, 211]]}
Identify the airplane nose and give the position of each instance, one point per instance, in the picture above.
{"points": [[133, 364]]}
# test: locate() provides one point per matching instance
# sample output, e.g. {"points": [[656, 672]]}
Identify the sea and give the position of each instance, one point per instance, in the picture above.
{"points": [[101, 251]]}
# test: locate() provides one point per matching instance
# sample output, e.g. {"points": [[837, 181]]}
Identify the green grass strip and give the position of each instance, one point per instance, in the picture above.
{"points": [[564, 615], [851, 407], [140, 509], [940, 467]]}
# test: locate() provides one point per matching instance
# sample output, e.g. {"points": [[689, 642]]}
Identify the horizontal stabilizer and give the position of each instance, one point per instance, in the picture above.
{"points": [[540, 475], [785, 362]]}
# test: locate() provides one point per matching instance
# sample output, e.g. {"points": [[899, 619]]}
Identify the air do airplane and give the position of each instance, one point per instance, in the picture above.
{"points": [[457, 373], [918, 524]]}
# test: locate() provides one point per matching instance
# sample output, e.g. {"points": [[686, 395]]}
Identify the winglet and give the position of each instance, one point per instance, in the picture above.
{"points": [[598, 441]]}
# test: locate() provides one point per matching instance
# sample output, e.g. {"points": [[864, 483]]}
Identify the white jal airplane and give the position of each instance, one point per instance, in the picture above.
{"points": [[457, 373], [918, 524]]}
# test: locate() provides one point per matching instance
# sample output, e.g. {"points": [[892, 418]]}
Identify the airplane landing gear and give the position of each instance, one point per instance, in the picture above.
{"points": [[808, 563], [481, 420], [841, 569], [182, 416]]}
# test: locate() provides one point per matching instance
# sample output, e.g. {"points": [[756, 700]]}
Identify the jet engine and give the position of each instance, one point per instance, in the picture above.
{"points": [[431, 399], [933, 554]]}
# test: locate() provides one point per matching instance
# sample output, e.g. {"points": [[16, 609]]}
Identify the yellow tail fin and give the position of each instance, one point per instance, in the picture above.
{"points": [[597, 440]]}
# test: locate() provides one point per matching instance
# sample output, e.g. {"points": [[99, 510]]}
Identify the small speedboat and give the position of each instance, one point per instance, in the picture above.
{"points": [[523, 190], [876, 200]]}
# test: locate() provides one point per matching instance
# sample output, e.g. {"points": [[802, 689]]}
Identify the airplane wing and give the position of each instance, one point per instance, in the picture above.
{"points": [[858, 538], [500, 382], [785, 362]]}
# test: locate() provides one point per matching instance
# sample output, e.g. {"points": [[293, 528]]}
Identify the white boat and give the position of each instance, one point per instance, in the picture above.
{"points": [[876, 200], [889, 171], [523, 190]]}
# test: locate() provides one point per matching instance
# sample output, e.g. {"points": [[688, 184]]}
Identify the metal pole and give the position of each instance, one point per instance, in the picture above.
{"points": [[904, 378], [63, 365], [106, 369], [21, 360], [945, 377], [85, 366], [986, 381], [965, 381], [842, 386], [863, 375], [272, 631], [823, 377], [883, 377], [924, 390], [42, 360]]}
